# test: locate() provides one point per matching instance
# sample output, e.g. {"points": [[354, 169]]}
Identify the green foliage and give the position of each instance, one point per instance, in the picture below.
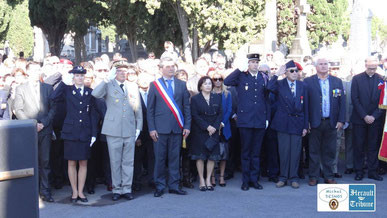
{"points": [[109, 31], [5, 17], [228, 23], [20, 34], [378, 28], [327, 21], [160, 27]]}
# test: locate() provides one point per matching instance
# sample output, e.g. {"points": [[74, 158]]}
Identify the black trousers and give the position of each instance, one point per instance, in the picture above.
{"points": [[57, 162], [234, 160], [322, 148], [269, 154], [167, 150], [366, 142], [251, 140], [144, 153], [98, 165], [44, 144]]}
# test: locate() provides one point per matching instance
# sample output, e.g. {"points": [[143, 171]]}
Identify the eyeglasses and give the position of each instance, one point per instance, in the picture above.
{"points": [[292, 71], [217, 79]]}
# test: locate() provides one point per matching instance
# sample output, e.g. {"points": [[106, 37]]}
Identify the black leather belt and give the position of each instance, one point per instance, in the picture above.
{"points": [[325, 118]]}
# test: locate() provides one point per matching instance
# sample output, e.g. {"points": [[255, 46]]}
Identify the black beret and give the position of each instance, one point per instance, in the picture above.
{"points": [[290, 64], [78, 70], [253, 56]]}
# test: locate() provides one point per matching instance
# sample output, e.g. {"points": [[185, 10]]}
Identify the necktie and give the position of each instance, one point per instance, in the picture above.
{"points": [[145, 98], [292, 89], [170, 89], [122, 87], [79, 91], [265, 77]]}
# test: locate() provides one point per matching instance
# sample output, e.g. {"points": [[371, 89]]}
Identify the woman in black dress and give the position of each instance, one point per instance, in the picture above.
{"points": [[79, 128], [206, 110]]}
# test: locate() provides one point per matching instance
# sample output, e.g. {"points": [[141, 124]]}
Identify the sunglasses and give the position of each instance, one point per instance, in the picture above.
{"points": [[292, 71], [265, 71], [218, 79]]}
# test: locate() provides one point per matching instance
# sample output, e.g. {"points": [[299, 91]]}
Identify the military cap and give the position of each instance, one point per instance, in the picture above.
{"points": [[253, 56], [65, 61], [290, 64], [299, 67], [120, 64], [78, 70]]}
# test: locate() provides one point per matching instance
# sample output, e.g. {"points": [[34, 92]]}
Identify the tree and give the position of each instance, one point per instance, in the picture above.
{"points": [[228, 23], [327, 21], [5, 17], [20, 34], [81, 16], [51, 16]]}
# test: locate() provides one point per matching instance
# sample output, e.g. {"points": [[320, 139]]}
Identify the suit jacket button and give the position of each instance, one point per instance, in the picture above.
{"points": [[80, 112], [80, 102], [80, 121]]}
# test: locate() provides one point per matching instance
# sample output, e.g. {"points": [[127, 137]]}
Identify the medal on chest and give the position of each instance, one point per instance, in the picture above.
{"points": [[246, 86]]}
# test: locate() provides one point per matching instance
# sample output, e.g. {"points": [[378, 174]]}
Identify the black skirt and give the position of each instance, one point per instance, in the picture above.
{"points": [[76, 150]]}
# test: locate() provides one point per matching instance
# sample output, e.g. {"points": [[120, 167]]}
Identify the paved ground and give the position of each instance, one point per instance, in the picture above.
{"points": [[229, 201]]}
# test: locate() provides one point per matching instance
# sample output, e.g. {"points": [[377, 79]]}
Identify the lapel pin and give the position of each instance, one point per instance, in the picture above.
{"points": [[74, 92]]}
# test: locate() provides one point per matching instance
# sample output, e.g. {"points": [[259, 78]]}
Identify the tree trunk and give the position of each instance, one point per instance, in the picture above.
{"points": [[183, 22], [54, 39], [79, 45], [132, 46], [195, 45]]}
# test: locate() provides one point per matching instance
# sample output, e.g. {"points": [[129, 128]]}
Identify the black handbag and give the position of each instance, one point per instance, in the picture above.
{"points": [[211, 142]]}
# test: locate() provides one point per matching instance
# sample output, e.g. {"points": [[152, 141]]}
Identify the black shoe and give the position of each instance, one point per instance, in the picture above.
{"points": [[116, 197], [375, 177], [245, 187], [337, 175], [128, 196], [203, 188], [90, 191], [301, 176], [73, 200], [158, 193], [188, 184], [210, 188], [178, 191], [256, 185], [273, 179], [229, 176], [47, 198], [348, 171], [84, 200], [152, 185], [381, 171], [359, 177]]}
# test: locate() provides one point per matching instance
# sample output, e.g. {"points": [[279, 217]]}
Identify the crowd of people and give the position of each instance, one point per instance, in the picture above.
{"points": [[167, 123]]}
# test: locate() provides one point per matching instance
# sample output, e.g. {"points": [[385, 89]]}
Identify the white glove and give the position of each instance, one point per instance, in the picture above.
{"points": [[68, 79], [346, 125], [92, 141], [267, 124], [112, 74], [242, 64], [137, 133]]}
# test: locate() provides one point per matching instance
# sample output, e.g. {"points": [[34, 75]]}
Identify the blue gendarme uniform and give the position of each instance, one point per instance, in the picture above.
{"points": [[252, 112]]}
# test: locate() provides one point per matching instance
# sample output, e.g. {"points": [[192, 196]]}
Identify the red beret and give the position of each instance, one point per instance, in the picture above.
{"points": [[65, 61], [299, 67]]}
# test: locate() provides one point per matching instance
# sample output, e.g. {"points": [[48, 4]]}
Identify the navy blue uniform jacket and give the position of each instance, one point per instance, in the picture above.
{"points": [[81, 115], [337, 103], [291, 115], [253, 105]]}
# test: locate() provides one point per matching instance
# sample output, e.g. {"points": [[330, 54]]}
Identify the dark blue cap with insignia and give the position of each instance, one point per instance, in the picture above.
{"points": [[290, 64], [78, 70], [253, 56]]}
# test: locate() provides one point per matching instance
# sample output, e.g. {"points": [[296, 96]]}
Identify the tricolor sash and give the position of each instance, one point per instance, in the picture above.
{"points": [[383, 105], [170, 101]]}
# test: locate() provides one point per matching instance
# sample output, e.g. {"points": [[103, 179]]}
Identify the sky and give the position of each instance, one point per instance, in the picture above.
{"points": [[379, 8]]}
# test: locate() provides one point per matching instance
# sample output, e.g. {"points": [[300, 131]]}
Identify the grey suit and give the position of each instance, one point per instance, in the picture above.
{"points": [[122, 118], [31, 103], [348, 130], [161, 119]]}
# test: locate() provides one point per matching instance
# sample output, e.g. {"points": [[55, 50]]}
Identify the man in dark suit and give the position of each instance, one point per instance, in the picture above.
{"points": [[32, 101], [144, 144], [366, 119], [4, 110], [326, 116], [167, 125], [253, 117]]}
